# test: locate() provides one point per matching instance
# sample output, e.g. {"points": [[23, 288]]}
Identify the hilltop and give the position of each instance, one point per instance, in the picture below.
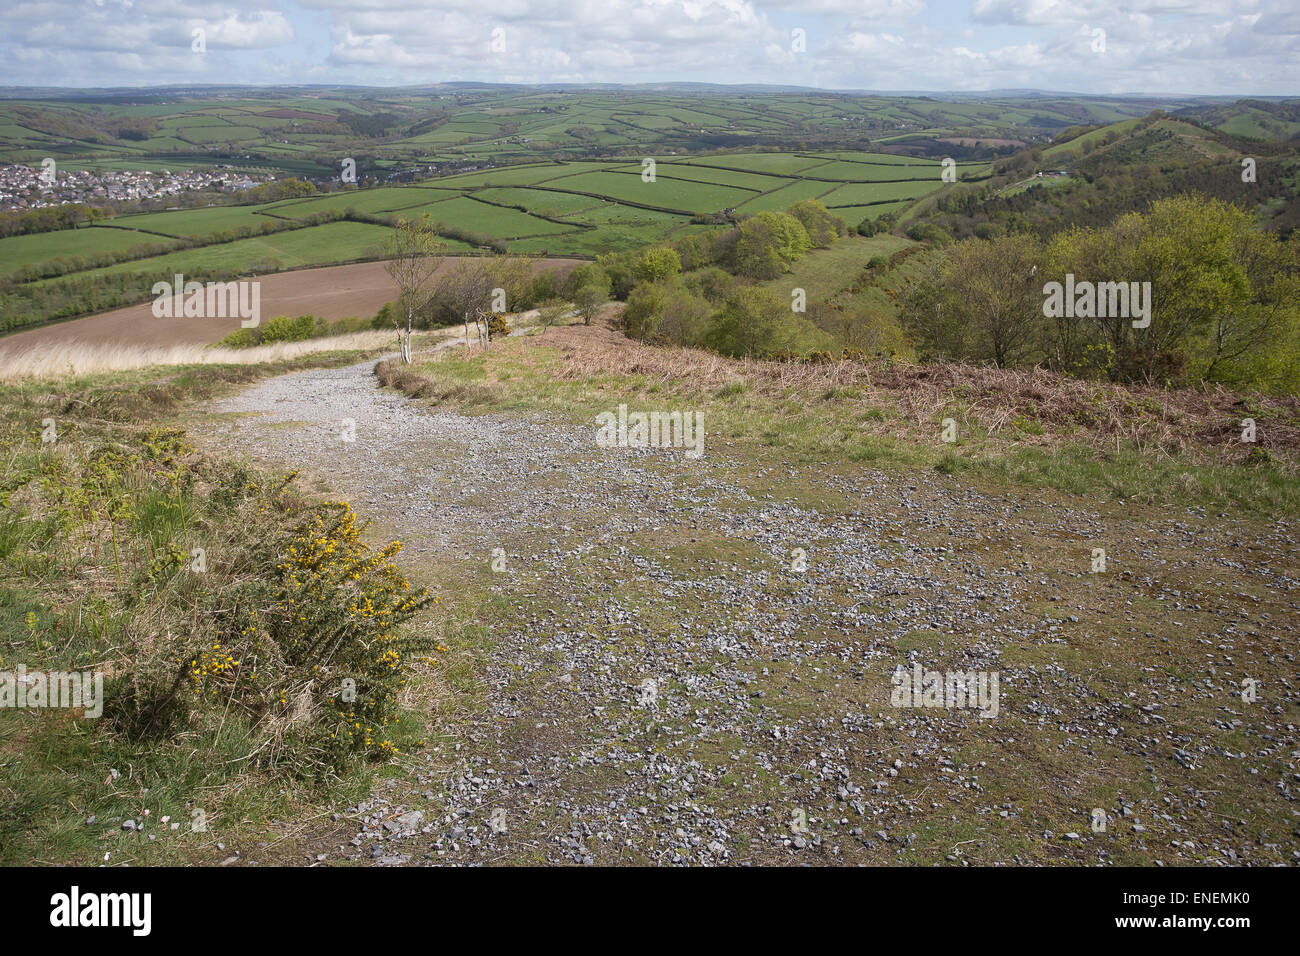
{"points": [[1088, 176]]}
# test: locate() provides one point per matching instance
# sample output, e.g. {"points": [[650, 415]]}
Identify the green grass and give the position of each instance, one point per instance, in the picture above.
{"points": [[855, 194], [384, 199], [848, 427], [495, 221], [855, 214], [779, 163], [17, 251], [781, 198], [824, 272], [539, 201], [68, 781], [194, 223], [315, 245], [672, 194]]}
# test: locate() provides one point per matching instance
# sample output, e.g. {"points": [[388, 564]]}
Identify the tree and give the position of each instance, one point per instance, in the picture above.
{"points": [[767, 243], [750, 323], [981, 302], [413, 259], [684, 318], [1260, 342], [473, 286], [645, 305], [929, 310], [588, 300], [589, 273], [620, 267], [822, 226], [1000, 294], [550, 314], [658, 263]]}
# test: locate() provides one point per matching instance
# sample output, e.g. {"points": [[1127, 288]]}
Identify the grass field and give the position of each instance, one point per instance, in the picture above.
{"points": [[16, 251], [315, 245], [602, 207], [193, 223]]}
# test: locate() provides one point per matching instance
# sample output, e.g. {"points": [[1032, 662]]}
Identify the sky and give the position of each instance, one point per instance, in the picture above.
{"points": [[1206, 47]]}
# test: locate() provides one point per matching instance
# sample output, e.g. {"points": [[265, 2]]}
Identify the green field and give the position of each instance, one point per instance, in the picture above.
{"points": [[471, 126], [193, 223], [781, 164], [495, 221], [663, 193], [17, 251], [541, 202], [315, 245], [786, 196], [579, 208], [857, 194]]}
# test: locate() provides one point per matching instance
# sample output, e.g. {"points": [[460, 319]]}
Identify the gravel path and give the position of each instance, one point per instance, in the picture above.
{"points": [[662, 686]]}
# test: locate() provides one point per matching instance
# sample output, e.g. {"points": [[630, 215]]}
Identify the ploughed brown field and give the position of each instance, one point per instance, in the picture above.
{"points": [[330, 292]]}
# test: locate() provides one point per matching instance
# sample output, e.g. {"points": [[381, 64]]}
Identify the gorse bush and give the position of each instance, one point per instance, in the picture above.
{"points": [[312, 649], [215, 600]]}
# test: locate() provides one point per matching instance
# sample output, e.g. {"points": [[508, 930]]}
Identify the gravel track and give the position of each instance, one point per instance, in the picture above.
{"points": [[767, 734]]}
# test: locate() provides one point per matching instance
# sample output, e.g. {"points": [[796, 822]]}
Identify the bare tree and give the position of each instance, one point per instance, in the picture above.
{"points": [[413, 258], [471, 286]]}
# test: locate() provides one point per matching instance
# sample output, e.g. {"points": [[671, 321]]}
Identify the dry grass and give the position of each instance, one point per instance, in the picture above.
{"points": [[86, 358], [1022, 402]]}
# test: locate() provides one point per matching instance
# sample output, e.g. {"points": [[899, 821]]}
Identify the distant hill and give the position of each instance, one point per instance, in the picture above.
{"points": [[1091, 175], [1252, 119]]}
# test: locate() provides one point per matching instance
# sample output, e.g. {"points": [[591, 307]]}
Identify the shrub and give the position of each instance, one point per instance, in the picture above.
{"points": [[292, 637], [823, 226], [767, 243], [657, 263], [645, 306], [589, 274], [297, 632], [285, 328], [241, 339]]}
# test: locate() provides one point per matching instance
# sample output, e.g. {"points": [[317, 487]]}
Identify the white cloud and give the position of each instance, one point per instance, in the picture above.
{"points": [[1205, 46]]}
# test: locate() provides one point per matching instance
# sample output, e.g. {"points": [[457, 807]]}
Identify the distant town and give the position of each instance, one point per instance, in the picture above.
{"points": [[27, 187]]}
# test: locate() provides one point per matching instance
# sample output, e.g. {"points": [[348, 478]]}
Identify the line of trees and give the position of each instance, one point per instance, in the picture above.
{"points": [[1224, 302], [702, 291], [46, 219]]}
